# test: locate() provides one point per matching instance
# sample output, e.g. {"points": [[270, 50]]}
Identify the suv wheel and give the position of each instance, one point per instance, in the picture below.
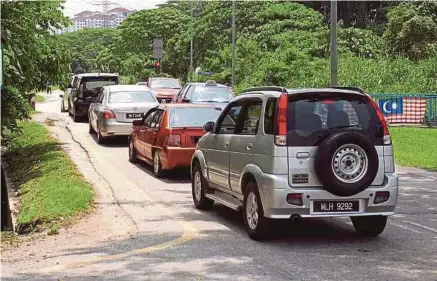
{"points": [[257, 225], [132, 152], [369, 226], [75, 117], [157, 167], [198, 186]]}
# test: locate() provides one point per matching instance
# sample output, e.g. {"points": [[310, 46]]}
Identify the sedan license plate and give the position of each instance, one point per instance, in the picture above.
{"points": [[336, 206], [134, 115]]}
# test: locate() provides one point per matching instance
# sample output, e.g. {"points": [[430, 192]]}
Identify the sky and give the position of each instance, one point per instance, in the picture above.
{"points": [[73, 7]]}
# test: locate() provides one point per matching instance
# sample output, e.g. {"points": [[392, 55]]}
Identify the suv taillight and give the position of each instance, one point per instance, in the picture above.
{"points": [[387, 138], [174, 140], [281, 120], [108, 114]]}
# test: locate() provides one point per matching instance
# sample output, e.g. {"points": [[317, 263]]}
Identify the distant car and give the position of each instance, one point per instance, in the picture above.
{"points": [[209, 92], [85, 89], [165, 88], [116, 107], [167, 135], [65, 97]]}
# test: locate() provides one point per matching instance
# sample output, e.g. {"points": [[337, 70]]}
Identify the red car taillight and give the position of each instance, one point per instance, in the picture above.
{"points": [[174, 140], [108, 114], [281, 120], [387, 139]]}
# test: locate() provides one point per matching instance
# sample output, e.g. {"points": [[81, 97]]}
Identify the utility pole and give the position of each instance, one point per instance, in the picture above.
{"points": [[334, 58], [233, 44], [191, 43]]}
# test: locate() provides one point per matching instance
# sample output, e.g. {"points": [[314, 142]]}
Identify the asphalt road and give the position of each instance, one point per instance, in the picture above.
{"points": [[174, 241]]}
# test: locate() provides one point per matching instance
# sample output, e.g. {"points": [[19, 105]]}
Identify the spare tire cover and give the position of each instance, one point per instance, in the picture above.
{"points": [[346, 163]]}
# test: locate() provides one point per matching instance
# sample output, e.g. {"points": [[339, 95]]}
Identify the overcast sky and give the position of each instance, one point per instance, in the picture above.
{"points": [[73, 7]]}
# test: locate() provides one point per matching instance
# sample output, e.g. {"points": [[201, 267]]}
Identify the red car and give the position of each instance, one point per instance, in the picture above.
{"points": [[167, 135], [165, 88]]}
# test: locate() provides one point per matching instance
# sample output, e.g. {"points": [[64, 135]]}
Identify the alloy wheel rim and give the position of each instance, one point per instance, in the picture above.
{"points": [[197, 186], [252, 210], [349, 163]]}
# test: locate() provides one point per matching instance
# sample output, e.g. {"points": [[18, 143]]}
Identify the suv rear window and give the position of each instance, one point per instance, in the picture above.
{"points": [[183, 116], [94, 84], [312, 117]]}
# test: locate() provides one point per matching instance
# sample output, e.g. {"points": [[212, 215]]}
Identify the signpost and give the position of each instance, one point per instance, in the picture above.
{"points": [[158, 52]]}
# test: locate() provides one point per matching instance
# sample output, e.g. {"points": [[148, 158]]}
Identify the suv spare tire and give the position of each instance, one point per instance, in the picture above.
{"points": [[346, 163]]}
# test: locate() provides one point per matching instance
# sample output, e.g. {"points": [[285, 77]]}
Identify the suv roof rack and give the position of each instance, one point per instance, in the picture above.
{"points": [[264, 88], [356, 89]]}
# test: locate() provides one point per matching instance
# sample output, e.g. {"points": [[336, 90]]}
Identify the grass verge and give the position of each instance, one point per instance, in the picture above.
{"points": [[50, 187], [415, 147]]}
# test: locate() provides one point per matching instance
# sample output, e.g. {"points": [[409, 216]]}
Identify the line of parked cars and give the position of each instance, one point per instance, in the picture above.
{"points": [[271, 152]]}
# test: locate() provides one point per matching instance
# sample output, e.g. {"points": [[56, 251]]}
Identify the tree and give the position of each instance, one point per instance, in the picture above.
{"points": [[31, 56]]}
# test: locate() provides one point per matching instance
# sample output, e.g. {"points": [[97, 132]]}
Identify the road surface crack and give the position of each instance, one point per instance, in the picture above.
{"points": [[101, 176]]}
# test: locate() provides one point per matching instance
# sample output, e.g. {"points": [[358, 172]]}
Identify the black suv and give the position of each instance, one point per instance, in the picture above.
{"points": [[84, 90]]}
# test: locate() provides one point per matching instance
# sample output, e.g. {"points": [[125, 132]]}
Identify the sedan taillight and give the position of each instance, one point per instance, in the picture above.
{"points": [[174, 140], [108, 114]]}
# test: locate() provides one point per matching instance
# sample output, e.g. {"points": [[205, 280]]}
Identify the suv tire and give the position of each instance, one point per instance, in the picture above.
{"points": [[198, 186], [351, 155], [369, 226], [75, 117], [257, 226]]}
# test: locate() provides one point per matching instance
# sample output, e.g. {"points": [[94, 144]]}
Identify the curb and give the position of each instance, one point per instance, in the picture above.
{"points": [[11, 190]]}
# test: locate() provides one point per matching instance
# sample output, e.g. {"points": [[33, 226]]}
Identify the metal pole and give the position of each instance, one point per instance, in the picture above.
{"points": [[191, 45], [334, 58], [233, 44]]}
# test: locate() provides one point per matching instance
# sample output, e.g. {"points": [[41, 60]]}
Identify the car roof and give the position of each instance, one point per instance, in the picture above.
{"points": [[164, 78], [121, 88], [97, 74], [185, 105], [206, 85]]}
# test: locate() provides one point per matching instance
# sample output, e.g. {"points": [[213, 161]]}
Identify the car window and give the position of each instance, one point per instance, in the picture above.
{"points": [[131, 97], [310, 117], [148, 119], [211, 94], [93, 84], [183, 116], [165, 83], [250, 118], [228, 121], [184, 90], [156, 121], [99, 97], [269, 116], [189, 93]]}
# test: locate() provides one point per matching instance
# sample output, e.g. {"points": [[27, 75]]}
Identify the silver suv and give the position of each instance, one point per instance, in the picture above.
{"points": [[282, 153]]}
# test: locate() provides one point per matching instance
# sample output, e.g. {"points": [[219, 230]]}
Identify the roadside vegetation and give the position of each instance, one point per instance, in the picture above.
{"points": [[51, 190], [415, 147]]}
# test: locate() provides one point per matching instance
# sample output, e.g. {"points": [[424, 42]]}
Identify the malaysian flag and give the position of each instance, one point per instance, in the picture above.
{"points": [[403, 109]]}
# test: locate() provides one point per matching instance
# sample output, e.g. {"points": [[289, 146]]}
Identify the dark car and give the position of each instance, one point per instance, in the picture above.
{"points": [[209, 92], [85, 88]]}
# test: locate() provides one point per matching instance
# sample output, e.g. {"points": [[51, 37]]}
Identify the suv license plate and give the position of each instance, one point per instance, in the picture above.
{"points": [[336, 206], [134, 115]]}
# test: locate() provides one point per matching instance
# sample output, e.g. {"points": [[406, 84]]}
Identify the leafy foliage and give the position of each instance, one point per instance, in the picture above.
{"points": [[31, 56]]}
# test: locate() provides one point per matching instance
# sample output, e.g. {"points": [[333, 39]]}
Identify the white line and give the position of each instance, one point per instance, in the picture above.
{"points": [[420, 225]]}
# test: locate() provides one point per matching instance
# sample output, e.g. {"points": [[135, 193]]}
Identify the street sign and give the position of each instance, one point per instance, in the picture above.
{"points": [[205, 73], [158, 48]]}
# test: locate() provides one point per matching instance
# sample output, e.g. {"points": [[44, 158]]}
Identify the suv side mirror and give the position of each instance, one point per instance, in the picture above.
{"points": [[209, 126], [136, 123]]}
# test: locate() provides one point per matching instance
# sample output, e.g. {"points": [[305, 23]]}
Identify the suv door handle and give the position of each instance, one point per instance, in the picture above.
{"points": [[303, 155], [227, 144], [249, 146]]}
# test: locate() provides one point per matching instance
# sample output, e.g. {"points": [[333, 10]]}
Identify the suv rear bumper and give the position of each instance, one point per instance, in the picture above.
{"points": [[274, 189]]}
